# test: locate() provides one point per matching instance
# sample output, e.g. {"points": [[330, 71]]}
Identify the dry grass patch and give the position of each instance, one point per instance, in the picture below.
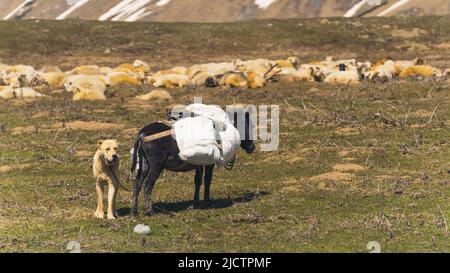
{"points": [[348, 167], [14, 167], [348, 131], [333, 176], [87, 126]]}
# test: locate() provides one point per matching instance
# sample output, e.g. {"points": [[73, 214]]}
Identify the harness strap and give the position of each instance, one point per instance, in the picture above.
{"points": [[157, 136], [167, 122]]}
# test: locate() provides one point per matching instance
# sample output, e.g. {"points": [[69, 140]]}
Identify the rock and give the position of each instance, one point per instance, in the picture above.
{"points": [[74, 247], [142, 229]]}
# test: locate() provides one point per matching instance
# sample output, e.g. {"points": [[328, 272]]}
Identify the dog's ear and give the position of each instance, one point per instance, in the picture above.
{"points": [[115, 140], [99, 143]]}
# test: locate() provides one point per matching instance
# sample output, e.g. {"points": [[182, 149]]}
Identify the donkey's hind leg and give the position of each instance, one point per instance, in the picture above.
{"points": [[143, 173], [156, 165]]}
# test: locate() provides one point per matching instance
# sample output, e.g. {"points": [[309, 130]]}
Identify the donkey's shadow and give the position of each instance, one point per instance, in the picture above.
{"points": [[175, 207]]}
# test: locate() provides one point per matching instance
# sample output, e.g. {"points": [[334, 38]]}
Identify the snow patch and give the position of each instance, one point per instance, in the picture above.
{"points": [[138, 15], [16, 10], [351, 12], [161, 3], [74, 7], [127, 10], [393, 7], [264, 4]]}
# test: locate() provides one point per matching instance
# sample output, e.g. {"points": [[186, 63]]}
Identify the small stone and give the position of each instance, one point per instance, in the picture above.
{"points": [[74, 247], [142, 229]]}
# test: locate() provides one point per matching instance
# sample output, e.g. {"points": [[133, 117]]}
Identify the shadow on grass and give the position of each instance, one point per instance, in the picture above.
{"points": [[174, 207]]}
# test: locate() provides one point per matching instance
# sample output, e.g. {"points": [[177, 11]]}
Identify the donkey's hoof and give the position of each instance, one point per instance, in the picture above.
{"points": [[135, 212], [150, 212]]}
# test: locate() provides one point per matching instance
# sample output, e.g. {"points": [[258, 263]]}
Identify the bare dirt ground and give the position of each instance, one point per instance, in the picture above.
{"points": [[359, 163]]}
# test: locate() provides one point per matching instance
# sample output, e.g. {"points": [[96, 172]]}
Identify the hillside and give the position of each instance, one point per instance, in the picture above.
{"points": [[214, 10]]}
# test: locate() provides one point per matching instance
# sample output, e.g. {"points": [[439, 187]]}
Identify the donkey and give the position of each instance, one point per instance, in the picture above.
{"points": [[160, 154]]}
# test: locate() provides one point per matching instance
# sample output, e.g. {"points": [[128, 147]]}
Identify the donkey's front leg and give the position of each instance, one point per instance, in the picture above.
{"points": [[208, 179], [198, 183]]}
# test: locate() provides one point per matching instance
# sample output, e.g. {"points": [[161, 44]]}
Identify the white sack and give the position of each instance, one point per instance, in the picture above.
{"points": [[231, 142], [196, 140], [213, 112]]}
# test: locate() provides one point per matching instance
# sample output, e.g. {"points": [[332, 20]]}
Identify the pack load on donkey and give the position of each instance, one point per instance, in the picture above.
{"points": [[208, 137]]}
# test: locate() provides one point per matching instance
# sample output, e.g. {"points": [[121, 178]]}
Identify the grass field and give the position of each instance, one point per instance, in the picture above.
{"points": [[355, 163]]}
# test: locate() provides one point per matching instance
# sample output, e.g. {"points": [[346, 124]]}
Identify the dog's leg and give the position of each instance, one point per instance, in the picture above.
{"points": [[198, 182], [99, 213], [208, 179], [112, 192]]}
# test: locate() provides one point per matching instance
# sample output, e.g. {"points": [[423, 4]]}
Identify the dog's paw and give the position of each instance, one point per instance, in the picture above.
{"points": [[111, 217], [99, 215]]}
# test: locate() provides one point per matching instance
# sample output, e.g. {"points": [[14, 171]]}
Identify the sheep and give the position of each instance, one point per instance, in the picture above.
{"points": [[258, 65], [211, 68], [86, 87], [20, 69], [136, 67], [381, 71], [421, 71], [54, 79], [49, 68], [291, 62], [169, 81], [200, 78], [229, 79], [19, 93], [85, 70], [17, 80], [117, 78], [72, 80], [158, 94], [352, 76], [105, 70], [400, 66], [141, 66], [255, 80], [22, 76], [88, 94], [179, 70], [446, 72], [301, 74]]}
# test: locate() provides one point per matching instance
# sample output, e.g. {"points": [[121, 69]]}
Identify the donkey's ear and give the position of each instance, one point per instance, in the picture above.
{"points": [[99, 143]]}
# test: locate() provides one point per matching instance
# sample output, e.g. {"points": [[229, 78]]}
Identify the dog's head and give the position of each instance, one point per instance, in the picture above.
{"points": [[107, 151]]}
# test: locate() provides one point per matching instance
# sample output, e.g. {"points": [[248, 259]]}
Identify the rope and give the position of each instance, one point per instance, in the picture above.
{"points": [[229, 166], [113, 173]]}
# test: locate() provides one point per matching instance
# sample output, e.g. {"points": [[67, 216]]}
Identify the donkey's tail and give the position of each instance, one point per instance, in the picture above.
{"points": [[137, 147]]}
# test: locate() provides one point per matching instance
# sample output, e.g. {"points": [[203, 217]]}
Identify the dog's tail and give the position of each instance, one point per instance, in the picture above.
{"points": [[137, 147]]}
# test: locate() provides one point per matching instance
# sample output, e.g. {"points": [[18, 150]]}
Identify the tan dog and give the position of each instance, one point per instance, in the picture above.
{"points": [[106, 170]]}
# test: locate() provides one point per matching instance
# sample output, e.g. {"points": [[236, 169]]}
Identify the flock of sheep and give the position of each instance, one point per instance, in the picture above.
{"points": [[89, 82]]}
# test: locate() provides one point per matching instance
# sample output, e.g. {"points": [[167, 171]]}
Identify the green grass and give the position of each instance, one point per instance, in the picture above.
{"points": [[268, 202]]}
